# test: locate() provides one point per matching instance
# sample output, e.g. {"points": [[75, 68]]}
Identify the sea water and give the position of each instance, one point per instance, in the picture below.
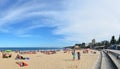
{"points": [[28, 48]]}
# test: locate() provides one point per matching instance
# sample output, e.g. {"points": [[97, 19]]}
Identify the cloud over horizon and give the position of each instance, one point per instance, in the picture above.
{"points": [[91, 19], [74, 20]]}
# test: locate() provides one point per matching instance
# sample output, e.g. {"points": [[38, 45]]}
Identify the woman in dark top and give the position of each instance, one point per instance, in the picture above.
{"points": [[78, 54]]}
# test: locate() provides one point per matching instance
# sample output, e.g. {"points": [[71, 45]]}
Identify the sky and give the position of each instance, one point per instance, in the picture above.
{"points": [[57, 23]]}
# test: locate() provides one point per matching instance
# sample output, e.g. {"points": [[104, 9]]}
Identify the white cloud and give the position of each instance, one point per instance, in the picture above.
{"points": [[84, 20], [24, 10], [78, 20], [16, 12]]}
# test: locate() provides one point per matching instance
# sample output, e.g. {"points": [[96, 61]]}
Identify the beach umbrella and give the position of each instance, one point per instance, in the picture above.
{"points": [[8, 50], [88, 48]]}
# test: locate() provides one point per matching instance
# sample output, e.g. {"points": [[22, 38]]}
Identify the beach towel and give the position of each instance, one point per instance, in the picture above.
{"points": [[27, 58], [19, 63]]}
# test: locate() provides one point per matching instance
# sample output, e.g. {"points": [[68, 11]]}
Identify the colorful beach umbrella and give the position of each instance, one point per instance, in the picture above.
{"points": [[8, 50]]}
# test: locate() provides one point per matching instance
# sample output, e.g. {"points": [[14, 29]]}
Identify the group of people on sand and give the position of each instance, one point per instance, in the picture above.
{"points": [[74, 53], [27, 52], [85, 51], [21, 57], [48, 52], [6, 55]]}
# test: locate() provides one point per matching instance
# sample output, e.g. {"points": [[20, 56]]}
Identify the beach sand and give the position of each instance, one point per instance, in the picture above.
{"points": [[60, 60]]}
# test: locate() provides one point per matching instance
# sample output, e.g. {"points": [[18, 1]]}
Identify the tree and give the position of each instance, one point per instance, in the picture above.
{"points": [[87, 46], [83, 45], [113, 40], [107, 44], [78, 44], [98, 44]]}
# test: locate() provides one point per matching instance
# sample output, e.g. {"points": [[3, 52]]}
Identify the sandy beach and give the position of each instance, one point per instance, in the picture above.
{"points": [[60, 60]]}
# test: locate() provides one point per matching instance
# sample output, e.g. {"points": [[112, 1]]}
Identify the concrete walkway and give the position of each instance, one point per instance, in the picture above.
{"points": [[106, 62], [116, 61]]}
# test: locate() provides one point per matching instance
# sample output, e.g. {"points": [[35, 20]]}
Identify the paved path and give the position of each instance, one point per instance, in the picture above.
{"points": [[106, 62], [114, 57], [116, 61]]}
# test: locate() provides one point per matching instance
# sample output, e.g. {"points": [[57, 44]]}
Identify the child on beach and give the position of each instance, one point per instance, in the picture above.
{"points": [[78, 55]]}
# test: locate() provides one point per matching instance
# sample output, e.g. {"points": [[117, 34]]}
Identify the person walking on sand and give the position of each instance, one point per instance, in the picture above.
{"points": [[78, 55], [74, 54]]}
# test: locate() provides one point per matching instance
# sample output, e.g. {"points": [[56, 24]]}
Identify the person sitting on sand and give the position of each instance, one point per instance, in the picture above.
{"points": [[22, 57], [3, 55], [10, 55], [22, 64], [19, 57], [6, 55]]}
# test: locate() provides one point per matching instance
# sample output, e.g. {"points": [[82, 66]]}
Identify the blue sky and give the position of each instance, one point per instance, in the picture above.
{"points": [[57, 23]]}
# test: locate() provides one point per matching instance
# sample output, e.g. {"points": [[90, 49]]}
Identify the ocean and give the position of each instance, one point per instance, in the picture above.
{"points": [[28, 48]]}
